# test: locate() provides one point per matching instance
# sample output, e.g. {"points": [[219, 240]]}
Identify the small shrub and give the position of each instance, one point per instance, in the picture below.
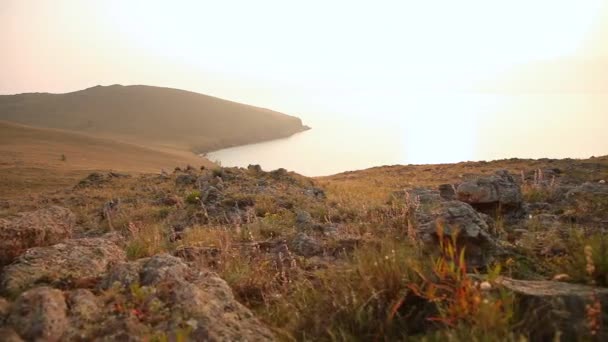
{"points": [[462, 302], [218, 171], [163, 213], [355, 301], [194, 197], [583, 247], [145, 241]]}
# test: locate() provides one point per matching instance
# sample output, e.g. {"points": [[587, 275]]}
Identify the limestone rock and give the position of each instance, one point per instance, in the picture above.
{"points": [[473, 231], [201, 297], [39, 315], [305, 245], [31, 229], [493, 191], [556, 306], [9, 335], [68, 261]]}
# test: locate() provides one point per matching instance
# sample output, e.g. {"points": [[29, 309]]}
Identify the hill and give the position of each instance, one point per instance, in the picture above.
{"points": [[33, 158], [162, 116]]}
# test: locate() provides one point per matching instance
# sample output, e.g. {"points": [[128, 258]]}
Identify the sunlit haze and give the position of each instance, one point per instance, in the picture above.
{"points": [[380, 65]]}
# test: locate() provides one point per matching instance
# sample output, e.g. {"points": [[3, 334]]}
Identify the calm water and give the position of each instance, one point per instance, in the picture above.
{"points": [[442, 128]]}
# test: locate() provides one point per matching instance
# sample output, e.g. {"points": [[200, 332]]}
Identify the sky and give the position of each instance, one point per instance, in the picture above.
{"points": [[364, 74], [300, 56]]}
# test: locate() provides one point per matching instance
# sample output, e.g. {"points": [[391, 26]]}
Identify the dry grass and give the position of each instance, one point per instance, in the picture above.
{"points": [[43, 148], [386, 287]]}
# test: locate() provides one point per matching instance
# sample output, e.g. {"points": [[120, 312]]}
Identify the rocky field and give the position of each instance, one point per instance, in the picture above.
{"points": [[485, 251]]}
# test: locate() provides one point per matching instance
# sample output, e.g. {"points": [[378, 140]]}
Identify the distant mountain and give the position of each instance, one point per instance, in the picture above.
{"points": [[162, 116]]}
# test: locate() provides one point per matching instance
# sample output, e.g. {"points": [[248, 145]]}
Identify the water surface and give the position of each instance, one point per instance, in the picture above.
{"points": [[440, 128]]}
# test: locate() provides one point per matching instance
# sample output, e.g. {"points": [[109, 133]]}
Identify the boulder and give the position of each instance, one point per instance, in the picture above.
{"points": [[306, 246], [490, 193], [255, 168], [552, 306], [185, 179], [39, 315], [9, 335], [199, 297], [316, 193], [303, 220], [587, 203], [31, 229], [417, 196], [85, 311], [94, 179], [121, 274], [447, 192], [211, 194], [72, 260], [458, 217], [5, 307]]}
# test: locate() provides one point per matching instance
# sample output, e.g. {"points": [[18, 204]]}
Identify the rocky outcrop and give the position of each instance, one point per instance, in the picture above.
{"points": [[587, 203], [306, 246], [455, 217], [31, 229], [159, 296], [39, 314], [5, 306], [489, 193], [201, 298], [9, 335], [70, 261], [552, 307]]}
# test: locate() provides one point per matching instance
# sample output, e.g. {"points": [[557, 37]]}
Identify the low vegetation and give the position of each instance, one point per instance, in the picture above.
{"points": [[347, 257]]}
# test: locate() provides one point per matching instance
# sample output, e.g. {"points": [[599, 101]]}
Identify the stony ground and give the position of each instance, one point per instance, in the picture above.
{"points": [[473, 251]]}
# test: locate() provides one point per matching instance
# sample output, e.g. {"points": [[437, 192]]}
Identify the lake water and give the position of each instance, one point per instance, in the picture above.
{"points": [[440, 128]]}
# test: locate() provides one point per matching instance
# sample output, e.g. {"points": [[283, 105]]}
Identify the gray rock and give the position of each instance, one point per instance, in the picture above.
{"points": [[185, 179], [304, 220], [39, 315], [83, 304], [72, 260], [553, 306], [122, 274], [5, 306], [254, 168], [456, 217], [200, 298], [587, 188], [160, 268], [211, 194], [306, 246], [9, 335], [94, 179], [31, 229], [447, 192], [316, 193], [417, 195], [84, 313], [500, 189]]}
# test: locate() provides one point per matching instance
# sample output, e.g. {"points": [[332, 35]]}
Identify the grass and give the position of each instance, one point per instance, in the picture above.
{"points": [[385, 286], [145, 241]]}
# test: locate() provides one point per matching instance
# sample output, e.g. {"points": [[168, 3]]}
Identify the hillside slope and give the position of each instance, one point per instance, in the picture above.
{"points": [[152, 115], [24, 146]]}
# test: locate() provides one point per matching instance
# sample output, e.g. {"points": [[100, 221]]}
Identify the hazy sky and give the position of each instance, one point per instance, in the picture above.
{"points": [[294, 56]]}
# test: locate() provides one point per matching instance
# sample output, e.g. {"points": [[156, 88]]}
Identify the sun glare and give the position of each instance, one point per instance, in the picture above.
{"points": [[394, 44]]}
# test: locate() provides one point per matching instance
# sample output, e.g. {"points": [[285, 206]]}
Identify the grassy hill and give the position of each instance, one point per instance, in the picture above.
{"points": [[33, 158], [162, 116]]}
